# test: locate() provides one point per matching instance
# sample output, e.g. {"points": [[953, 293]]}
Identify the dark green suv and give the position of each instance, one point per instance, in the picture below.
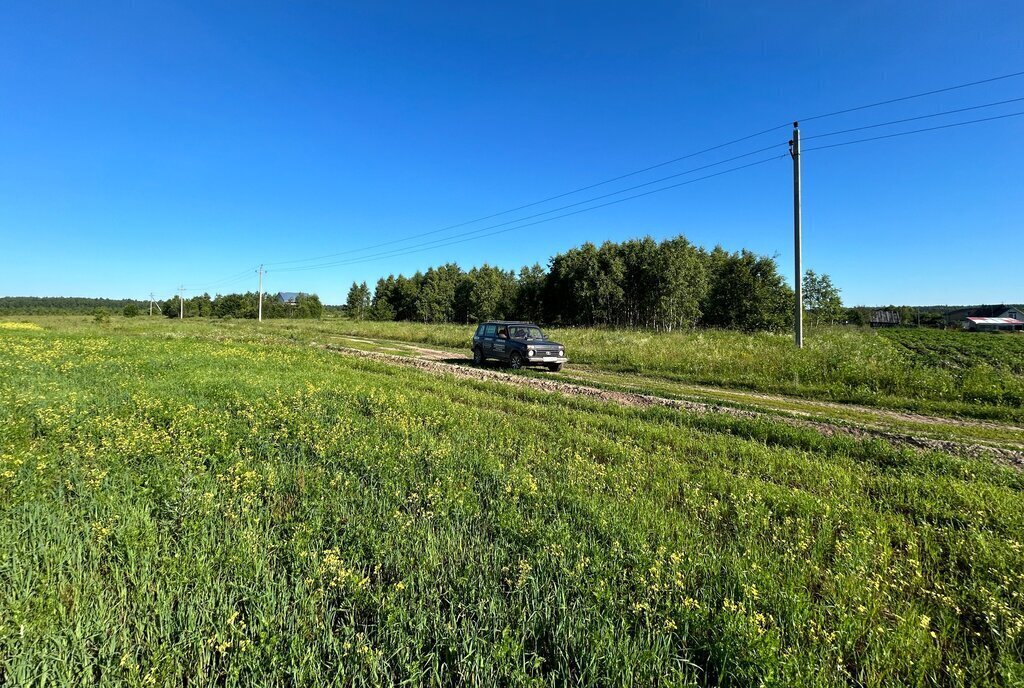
{"points": [[518, 344]]}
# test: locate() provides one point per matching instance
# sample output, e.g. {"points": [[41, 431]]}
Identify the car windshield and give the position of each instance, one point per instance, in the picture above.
{"points": [[523, 332]]}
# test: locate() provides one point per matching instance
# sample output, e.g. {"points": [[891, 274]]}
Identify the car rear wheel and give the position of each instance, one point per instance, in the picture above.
{"points": [[515, 360], [555, 367], [478, 357]]}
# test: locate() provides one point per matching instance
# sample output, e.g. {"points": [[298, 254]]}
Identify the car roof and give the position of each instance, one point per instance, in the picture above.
{"points": [[509, 322]]}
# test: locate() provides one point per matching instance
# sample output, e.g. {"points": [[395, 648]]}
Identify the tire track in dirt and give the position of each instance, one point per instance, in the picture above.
{"points": [[1009, 457]]}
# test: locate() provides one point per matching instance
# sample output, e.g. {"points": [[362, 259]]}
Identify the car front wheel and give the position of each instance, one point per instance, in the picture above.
{"points": [[515, 360], [478, 357], [555, 367]]}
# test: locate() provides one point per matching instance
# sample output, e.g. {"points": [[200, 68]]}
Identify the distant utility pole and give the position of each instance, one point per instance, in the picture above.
{"points": [[260, 308], [181, 302], [152, 299], [798, 323]]}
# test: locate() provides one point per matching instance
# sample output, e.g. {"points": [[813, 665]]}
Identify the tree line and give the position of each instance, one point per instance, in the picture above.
{"points": [[639, 283], [57, 305], [243, 306], [204, 305]]}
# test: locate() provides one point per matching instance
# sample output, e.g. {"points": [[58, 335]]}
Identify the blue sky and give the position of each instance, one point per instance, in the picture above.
{"points": [[148, 144]]}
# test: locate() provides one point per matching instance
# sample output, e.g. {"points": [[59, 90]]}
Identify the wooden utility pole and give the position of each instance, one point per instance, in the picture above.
{"points": [[798, 320], [181, 302], [260, 307]]}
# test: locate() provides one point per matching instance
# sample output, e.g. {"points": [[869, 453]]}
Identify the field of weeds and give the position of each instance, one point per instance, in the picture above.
{"points": [[179, 508]]}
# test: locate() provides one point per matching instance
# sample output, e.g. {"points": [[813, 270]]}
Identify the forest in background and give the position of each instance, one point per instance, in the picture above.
{"points": [[639, 283], [64, 305], [243, 306], [202, 305]]}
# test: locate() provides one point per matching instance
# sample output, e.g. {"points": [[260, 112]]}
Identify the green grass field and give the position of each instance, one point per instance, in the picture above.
{"points": [[196, 504]]}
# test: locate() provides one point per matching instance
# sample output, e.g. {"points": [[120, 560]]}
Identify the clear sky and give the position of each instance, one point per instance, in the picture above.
{"points": [[148, 144]]}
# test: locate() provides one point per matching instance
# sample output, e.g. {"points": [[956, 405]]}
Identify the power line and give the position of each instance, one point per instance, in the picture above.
{"points": [[914, 119], [227, 280], [462, 237], [223, 285], [449, 241], [915, 131], [230, 280], [656, 181], [649, 168], [588, 200], [916, 95], [548, 199]]}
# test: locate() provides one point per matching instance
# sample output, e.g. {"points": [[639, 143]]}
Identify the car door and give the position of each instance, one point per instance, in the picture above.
{"points": [[487, 345], [500, 350]]}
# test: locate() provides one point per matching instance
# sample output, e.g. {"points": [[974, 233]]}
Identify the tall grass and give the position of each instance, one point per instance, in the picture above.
{"points": [[177, 510]]}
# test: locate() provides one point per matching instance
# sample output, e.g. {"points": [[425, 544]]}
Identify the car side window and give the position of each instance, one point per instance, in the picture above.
{"points": [[489, 330], [479, 330], [503, 333]]}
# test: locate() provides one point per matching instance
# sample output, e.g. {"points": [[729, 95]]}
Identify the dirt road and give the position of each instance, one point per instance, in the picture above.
{"points": [[443, 362]]}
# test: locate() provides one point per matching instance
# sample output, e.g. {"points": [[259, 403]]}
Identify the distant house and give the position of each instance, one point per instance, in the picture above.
{"points": [[288, 298], [994, 325], [983, 318], [885, 319]]}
